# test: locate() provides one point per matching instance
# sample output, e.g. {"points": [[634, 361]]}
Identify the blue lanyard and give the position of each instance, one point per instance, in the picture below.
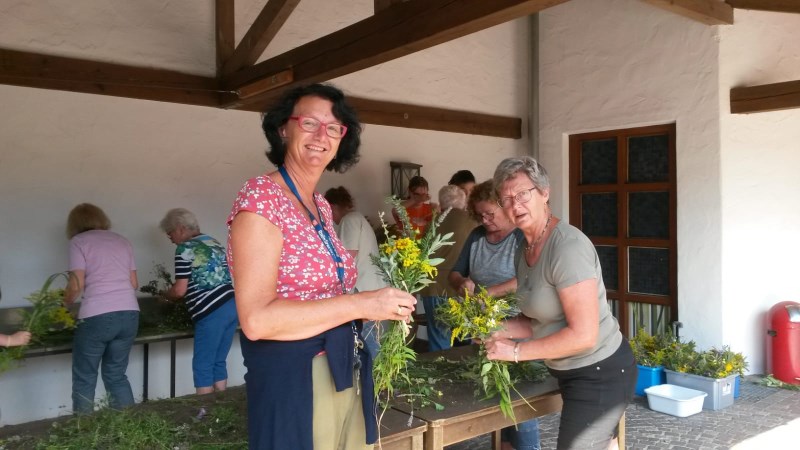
{"points": [[325, 237], [319, 227]]}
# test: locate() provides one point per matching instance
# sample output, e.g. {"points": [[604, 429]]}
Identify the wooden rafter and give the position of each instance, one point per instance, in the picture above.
{"points": [[709, 12], [789, 6], [92, 77], [225, 31], [403, 29], [766, 97], [375, 41], [260, 34], [395, 114]]}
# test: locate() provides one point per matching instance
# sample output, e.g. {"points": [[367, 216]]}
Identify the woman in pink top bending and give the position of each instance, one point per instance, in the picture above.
{"points": [[105, 271]]}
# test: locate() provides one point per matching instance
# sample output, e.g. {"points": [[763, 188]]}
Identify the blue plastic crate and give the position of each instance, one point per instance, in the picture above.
{"points": [[649, 376]]}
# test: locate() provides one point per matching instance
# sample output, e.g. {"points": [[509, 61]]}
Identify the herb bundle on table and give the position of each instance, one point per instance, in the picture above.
{"points": [[47, 315]]}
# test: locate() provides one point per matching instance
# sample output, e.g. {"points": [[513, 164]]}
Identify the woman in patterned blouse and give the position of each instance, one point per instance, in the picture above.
{"points": [[203, 281], [309, 383]]}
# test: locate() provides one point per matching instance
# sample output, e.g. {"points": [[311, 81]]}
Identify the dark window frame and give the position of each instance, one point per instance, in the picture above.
{"points": [[623, 188]]}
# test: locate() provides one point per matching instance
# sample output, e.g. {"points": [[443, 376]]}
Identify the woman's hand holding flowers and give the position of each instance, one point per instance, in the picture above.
{"points": [[499, 348], [467, 285], [390, 304]]}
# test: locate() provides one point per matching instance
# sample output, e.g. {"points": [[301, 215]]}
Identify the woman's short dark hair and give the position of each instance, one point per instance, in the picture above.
{"points": [[339, 196], [279, 114], [416, 182], [461, 177]]}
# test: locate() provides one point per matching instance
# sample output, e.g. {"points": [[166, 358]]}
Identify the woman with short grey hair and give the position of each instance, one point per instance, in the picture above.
{"points": [[452, 196], [202, 279], [179, 217], [565, 319]]}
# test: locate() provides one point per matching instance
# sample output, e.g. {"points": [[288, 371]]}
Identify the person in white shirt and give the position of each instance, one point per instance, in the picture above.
{"points": [[359, 239]]}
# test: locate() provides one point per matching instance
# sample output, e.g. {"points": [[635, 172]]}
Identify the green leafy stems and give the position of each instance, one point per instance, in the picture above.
{"points": [[670, 352], [479, 315], [159, 285], [47, 315], [405, 263]]}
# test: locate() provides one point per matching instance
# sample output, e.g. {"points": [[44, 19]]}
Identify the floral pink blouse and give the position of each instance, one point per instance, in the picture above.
{"points": [[307, 270]]}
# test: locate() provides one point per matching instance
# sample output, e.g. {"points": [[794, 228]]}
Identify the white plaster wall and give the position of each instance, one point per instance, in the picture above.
{"points": [[608, 64], [760, 186], [136, 159]]}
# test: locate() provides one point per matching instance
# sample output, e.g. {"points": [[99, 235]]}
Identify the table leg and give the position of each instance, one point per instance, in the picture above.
{"points": [[417, 443], [497, 439], [172, 351], [621, 432], [146, 365], [434, 437]]}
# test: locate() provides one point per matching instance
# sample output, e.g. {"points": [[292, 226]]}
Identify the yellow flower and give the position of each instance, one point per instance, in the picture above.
{"points": [[428, 269]]}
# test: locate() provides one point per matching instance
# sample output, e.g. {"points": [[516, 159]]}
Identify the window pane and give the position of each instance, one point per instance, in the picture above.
{"points": [[614, 305], [648, 215], [653, 319], [609, 261], [599, 161], [648, 270], [599, 212], [647, 159]]}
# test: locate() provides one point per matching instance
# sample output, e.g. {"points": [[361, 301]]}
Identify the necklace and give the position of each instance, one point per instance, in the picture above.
{"points": [[539, 239]]}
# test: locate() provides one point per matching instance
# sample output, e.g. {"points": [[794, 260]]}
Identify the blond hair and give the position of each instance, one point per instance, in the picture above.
{"points": [[86, 217]]}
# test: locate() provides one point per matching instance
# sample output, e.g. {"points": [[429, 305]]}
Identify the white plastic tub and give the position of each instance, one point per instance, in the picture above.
{"points": [[675, 400]]}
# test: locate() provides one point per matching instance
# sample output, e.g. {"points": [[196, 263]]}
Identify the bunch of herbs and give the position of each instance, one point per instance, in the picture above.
{"points": [[405, 262], [47, 315], [173, 316], [478, 315]]}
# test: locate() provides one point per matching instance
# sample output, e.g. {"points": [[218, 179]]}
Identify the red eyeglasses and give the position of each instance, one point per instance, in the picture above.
{"points": [[311, 125]]}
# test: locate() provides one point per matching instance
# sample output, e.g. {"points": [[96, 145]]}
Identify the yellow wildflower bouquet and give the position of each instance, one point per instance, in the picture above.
{"points": [[478, 316], [47, 315], [405, 263]]}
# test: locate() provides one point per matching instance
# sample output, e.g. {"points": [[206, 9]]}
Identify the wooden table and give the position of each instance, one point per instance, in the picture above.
{"points": [[396, 434], [465, 416]]}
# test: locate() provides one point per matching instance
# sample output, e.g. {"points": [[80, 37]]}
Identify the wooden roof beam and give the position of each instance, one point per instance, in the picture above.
{"points": [[225, 28], [788, 6], [766, 97], [709, 12], [92, 77], [403, 29], [394, 114], [261, 33], [437, 119]]}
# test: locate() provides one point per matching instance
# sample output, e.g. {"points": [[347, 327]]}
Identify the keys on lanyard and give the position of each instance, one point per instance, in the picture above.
{"points": [[358, 344]]}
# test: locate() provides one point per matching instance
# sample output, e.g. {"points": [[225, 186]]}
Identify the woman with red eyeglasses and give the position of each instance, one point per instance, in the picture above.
{"points": [[309, 379]]}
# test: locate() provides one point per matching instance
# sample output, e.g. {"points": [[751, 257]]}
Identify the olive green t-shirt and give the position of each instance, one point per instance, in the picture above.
{"points": [[567, 258]]}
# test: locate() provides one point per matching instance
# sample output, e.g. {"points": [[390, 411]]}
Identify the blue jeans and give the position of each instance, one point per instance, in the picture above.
{"points": [[525, 437], [103, 341], [213, 335], [438, 333]]}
